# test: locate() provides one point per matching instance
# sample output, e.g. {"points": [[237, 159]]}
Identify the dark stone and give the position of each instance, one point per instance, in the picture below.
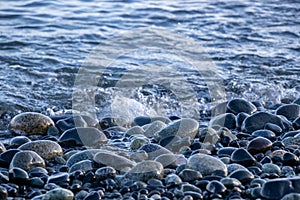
{"points": [[274, 128], [37, 172], [105, 172], [6, 157], [226, 151], [265, 134], [194, 195], [61, 179], [189, 175], [93, 196], [244, 176], [215, 187], [289, 134], [283, 186], [240, 119], [142, 120], [36, 182], [69, 123], [290, 111], [18, 175], [3, 193], [259, 145], [154, 150], [227, 120], [17, 141], [296, 123], [290, 159], [243, 157], [241, 105]]}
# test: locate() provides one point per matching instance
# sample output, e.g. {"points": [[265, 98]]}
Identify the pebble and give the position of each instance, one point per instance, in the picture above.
{"points": [[241, 105], [215, 187], [17, 141], [83, 136], [3, 193], [230, 183], [259, 145], [111, 159], [6, 157], [153, 128], [27, 160], [292, 140], [240, 119], [171, 160], [18, 175], [137, 142], [270, 168], [58, 194], [244, 176], [173, 180], [290, 111], [154, 150], [31, 123], [45, 148], [291, 196], [146, 170], [227, 120], [105, 172], [190, 175], [62, 179], [182, 127], [285, 185], [136, 130], [82, 155], [265, 134], [84, 165], [243, 157], [206, 164]]}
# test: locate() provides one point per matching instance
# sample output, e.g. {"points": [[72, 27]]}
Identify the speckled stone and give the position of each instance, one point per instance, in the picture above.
{"points": [[27, 160], [241, 105], [45, 148], [137, 142], [146, 170], [31, 123], [206, 165], [113, 160], [59, 194]]}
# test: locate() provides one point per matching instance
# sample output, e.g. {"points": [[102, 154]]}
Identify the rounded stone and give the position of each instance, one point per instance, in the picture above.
{"points": [[292, 140], [61, 179], [82, 155], [153, 128], [18, 175], [231, 182], [111, 159], [6, 157], [206, 165], [291, 196], [146, 170], [84, 165], [27, 160], [215, 187], [227, 120], [243, 157], [136, 130], [105, 173], [17, 141], [171, 160], [259, 145], [59, 194], [244, 176], [31, 123], [290, 111], [154, 150], [270, 168], [189, 175], [276, 188], [83, 136], [137, 142], [47, 149], [265, 134], [241, 105]]}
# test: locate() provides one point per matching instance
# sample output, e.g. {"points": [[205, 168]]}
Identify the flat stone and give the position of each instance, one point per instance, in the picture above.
{"points": [[241, 105], [270, 168], [27, 160], [58, 194], [84, 165], [227, 120], [82, 155], [31, 123], [206, 165], [171, 160], [153, 128], [89, 137], [265, 134], [243, 157], [283, 186], [292, 140], [290, 111], [259, 145], [182, 127], [113, 160], [47, 149], [244, 176], [146, 170], [154, 150]]}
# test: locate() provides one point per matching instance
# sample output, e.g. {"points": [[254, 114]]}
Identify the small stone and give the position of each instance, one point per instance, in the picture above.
{"points": [[154, 150], [270, 168], [27, 160], [89, 136], [243, 157], [274, 128], [240, 119], [290, 111], [69, 123], [183, 127], [185, 187], [171, 160], [82, 155], [173, 180], [18, 175], [59, 194], [146, 170], [105, 173], [45, 148], [6, 157], [227, 120], [153, 128], [259, 145], [215, 187], [291, 196], [61, 179], [84, 165], [276, 188], [277, 155], [111, 159], [206, 165], [234, 166], [296, 123], [226, 151], [265, 134], [230, 183], [138, 156], [292, 140], [244, 176], [17, 141], [189, 175], [137, 142], [3, 193], [31, 123], [290, 159], [241, 105], [136, 130], [36, 182]]}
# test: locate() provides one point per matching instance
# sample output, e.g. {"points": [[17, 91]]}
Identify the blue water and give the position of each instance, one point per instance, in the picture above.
{"points": [[254, 45]]}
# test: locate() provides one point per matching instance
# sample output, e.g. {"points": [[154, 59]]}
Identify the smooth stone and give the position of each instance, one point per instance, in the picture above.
{"points": [[138, 156], [146, 170], [31, 123], [274, 128], [154, 150], [185, 187], [291, 196], [88, 136], [6, 157], [243, 157], [290, 111], [84, 165], [241, 105], [276, 188], [113, 160], [59, 194], [296, 123], [3, 193], [290, 159], [277, 155], [292, 140], [259, 145], [171, 160], [289, 134], [234, 166], [18, 175], [69, 122], [258, 120], [182, 127], [215, 187], [47, 149], [53, 131], [136, 130], [240, 119], [173, 180], [227, 120], [206, 165], [61, 179], [226, 151], [2, 147], [137, 142], [265, 134], [230, 183], [153, 128], [82, 155], [17, 141], [27, 160], [271, 168], [36, 182], [189, 175], [244, 176], [105, 173], [37, 172]]}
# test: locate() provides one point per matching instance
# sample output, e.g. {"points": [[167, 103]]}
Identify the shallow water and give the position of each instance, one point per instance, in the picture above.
{"points": [[254, 47]]}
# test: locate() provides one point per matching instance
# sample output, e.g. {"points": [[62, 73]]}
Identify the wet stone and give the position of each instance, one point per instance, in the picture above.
{"points": [[269, 192], [90, 137], [206, 165], [27, 160], [6, 157], [240, 119], [59, 194], [45, 148], [244, 176], [17, 141], [31, 123], [146, 170], [290, 159], [154, 150], [227, 120], [105, 172], [82, 155], [84, 165], [173, 180], [153, 128], [243, 157], [18, 175], [241, 105], [230, 182], [189, 175], [274, 128], [265, 134], [290, 111], [270, 168], [215, 187], [61, 179], [259, 145]]}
